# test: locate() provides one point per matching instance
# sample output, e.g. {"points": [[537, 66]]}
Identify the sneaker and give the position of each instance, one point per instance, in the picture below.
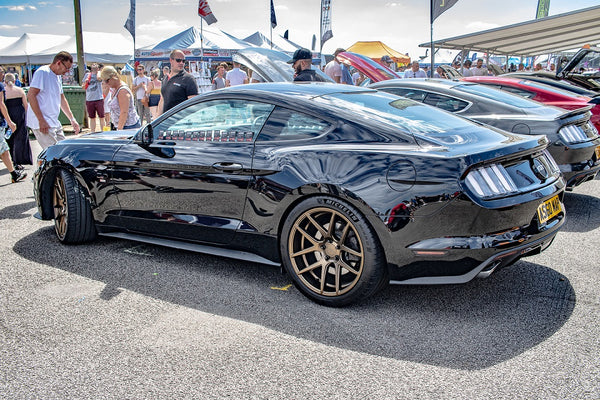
{"points": [[18, 176]]}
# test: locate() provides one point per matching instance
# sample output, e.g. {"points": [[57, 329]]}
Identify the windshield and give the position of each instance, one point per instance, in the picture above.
{"points": [[408, 115], [497, 95]]}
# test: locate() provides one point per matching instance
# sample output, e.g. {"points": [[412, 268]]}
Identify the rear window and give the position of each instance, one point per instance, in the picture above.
{"points": [[549, 88], [498, 95], [406, 114]]}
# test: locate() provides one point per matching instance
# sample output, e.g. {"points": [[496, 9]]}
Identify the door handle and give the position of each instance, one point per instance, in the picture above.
{"points": [[227, 166]]}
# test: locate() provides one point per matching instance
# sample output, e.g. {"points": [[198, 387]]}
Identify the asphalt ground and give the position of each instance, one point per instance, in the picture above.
{"points": [[115, 319]]}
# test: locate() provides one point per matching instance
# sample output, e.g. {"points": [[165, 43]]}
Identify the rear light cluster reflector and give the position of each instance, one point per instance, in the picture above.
{"points": [[490, 181]]}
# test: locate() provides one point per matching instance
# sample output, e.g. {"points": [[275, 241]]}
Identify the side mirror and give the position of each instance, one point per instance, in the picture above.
{"points": [[145, 135]]}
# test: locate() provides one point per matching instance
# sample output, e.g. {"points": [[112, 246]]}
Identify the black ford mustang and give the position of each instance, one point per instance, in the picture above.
{"points": [[348, 188]]}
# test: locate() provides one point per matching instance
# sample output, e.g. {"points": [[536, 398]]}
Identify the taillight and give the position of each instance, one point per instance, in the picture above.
{"points": [[490, 181], [573, 134]]}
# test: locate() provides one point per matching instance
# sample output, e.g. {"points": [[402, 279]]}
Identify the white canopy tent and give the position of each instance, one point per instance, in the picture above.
{"points": [[278, 43], [20, 50]]}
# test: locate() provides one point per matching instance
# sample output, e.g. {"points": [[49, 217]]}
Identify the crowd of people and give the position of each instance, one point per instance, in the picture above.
{"points": [[118, 105]]}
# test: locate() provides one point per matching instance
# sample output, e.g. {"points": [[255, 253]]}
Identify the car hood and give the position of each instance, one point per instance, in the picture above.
{"points": [[271, 65], [371, 69]]}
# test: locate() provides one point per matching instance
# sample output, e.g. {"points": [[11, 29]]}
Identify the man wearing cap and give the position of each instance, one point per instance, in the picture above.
{"points": [[301, 62]]}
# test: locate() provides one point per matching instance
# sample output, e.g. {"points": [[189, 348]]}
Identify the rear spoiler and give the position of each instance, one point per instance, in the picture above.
{"points": [[573, 113]]}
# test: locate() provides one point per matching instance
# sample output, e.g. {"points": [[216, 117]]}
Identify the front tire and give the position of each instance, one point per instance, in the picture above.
{"points": [[332, 253], [73, 220]]}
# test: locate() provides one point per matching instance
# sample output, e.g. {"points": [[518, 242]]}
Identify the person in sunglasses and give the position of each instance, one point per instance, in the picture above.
{"points": [[178, 86], [46, 99]]}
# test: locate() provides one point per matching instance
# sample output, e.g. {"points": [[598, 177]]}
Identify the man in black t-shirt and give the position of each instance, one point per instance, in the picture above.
{"points": [[301, 62], [178, 86]]}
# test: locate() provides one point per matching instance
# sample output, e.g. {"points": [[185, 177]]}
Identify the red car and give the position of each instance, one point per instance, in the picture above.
{"points": [[542, 93]]}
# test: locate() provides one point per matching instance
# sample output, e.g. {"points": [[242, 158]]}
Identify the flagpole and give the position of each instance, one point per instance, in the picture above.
{"points": [[201, 39], [431, 37]]}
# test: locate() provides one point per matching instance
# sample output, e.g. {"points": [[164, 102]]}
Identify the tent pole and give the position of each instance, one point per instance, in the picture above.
{"points": [[431, 36]]}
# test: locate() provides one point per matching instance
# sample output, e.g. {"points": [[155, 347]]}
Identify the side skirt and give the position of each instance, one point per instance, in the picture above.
{"points": [[198, 248]]}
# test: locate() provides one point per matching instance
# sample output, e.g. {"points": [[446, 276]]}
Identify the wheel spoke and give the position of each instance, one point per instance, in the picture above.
{"points": [[348, 267], [351, 251], [331, 225], [321, 229], [310, 267], [345, 233], [338, 272], [323, 277], [308, 236], [306, 251]]}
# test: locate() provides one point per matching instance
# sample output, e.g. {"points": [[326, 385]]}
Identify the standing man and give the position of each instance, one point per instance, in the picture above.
{"points": [[46, 99], [140, 86], [479, 69], [333, 67], [236, 76], [301, 62], [178, 86], [415, 71], [94, 101], [466, 68]]}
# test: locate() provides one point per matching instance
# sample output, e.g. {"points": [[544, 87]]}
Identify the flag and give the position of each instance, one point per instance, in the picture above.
{"points": [[273, 18], [439, 6], [286, 35], [130, 23], [205, 12], [326, 32], [542, 9]]}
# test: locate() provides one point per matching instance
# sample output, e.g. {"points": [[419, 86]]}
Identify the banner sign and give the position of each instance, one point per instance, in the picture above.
{"points": [[326, 32], [542, 9]]}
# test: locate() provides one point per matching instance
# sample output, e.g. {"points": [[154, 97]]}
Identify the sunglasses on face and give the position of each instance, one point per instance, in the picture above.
{"points": [[179, 60]]}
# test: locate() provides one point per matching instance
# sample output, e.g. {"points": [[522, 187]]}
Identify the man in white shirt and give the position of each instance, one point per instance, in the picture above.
{"points": [[415, 71], [236, 76], [46, 99], [140, 85], [479, 69]]}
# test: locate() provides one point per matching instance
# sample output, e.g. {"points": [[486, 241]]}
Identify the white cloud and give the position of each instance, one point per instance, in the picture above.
{"points": [[162, 26], [19, 8], [9, 27]]}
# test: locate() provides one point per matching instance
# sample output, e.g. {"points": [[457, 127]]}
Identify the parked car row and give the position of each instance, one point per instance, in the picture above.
{"points": [[347, 188]]}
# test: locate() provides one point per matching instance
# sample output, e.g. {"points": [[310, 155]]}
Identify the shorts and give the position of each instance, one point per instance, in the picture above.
{"points": [[95, 108], [53, 136], [153, 100], [3, 145]]}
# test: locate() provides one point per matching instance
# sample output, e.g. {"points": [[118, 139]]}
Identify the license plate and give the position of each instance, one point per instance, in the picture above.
{"points": [[597, 152], [548, 209]]}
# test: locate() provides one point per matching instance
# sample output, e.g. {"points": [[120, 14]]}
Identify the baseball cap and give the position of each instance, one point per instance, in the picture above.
{"points": [[301, 54]]}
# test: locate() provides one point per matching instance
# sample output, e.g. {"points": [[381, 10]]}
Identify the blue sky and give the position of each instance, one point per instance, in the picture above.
{"points": [[401, 24]]}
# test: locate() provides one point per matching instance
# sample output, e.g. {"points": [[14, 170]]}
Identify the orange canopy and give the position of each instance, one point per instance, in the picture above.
{"points": [[376, 50]]}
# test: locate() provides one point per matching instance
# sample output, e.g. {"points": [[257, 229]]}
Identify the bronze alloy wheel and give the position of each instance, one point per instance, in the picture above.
{"points": [[326, 251], [59, 202]]}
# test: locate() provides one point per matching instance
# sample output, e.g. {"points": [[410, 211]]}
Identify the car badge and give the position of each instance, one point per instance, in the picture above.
{"points": [[539, 169]]}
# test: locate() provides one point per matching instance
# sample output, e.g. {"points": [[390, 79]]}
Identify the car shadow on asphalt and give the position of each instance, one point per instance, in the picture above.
{"points": [[17, 211], [582, 212], [470, 327]]}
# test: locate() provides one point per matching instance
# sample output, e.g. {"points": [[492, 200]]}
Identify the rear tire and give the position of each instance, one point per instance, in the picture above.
{"points": [[332, 253], [73, 220]]}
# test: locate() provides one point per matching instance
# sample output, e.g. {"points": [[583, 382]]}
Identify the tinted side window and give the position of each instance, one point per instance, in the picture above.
{"points": [[445, 102], [286, 124], [413, 94], [520, 92], [215, 120]]}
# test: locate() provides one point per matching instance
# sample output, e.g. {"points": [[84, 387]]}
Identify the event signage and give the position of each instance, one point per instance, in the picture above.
{"points": [[542, 9], [326, 32]]}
